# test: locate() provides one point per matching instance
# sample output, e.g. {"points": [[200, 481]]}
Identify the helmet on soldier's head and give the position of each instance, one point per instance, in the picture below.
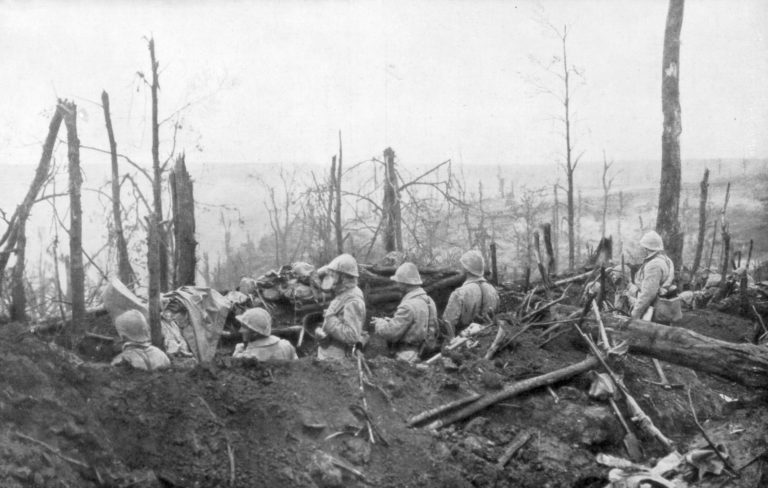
{"points": [[651, 240], [132, 326], [408, 274], [473, 262], [257, 319], [343, 263]]}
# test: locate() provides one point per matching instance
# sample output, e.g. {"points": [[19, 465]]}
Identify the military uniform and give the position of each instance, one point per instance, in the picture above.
{"points": [[342, 323], [657, 272], [142, 356], [476, 298], [407, 329]]}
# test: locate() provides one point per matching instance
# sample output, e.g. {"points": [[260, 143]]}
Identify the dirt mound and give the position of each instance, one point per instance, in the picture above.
{"points": [[241, 423]]}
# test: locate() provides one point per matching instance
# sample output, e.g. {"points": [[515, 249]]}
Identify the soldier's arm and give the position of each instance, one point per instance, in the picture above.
{"points": [[393, 329], [452, 312]]}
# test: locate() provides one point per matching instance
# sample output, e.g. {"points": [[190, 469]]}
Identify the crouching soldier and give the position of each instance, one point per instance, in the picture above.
{"points": [[343, 319], [258, 341], [416, 314], [138, 350], [475, 300]]}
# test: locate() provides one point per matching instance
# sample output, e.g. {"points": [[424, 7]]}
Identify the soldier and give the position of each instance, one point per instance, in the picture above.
{"points": [[416, 314], [343, 320], [138, 350], [475, 300], [258, 342], [653, 279]]}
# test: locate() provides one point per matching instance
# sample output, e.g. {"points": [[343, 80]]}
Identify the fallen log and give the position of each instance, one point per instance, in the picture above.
{"points": [[434, 412], [516, 389], [746, 364], [518, 442]]}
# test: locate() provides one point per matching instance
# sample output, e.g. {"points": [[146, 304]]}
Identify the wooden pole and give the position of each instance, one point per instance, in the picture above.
{"points": [[153, 261]]}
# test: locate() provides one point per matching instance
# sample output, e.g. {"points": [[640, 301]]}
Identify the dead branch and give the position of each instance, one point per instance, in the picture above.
{"points": [[434, 412]]}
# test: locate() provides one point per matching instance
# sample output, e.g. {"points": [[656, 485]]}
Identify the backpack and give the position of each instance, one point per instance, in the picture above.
{"points": [[437, 332]]}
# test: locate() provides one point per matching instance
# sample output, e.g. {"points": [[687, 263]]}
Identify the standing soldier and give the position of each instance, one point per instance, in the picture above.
{"points": [[475, 300], [258, 341], [653, 279], [416, 314], [343, 319]]}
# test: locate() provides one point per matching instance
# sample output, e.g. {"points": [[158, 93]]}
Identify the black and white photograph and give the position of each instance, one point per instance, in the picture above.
{"points": [[384, 243]]}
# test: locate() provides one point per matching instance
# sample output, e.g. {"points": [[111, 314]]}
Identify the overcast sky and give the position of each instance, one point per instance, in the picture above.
{"points": [[275, 81]]}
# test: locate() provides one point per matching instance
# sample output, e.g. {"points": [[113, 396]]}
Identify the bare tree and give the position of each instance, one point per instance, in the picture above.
{"points": [[607, 183], [667, 221], [125, 271], [337, 210], [8, 240], [157, 174]]}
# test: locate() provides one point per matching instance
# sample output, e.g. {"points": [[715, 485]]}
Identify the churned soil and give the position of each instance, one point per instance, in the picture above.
{"points": [[71, 420]]}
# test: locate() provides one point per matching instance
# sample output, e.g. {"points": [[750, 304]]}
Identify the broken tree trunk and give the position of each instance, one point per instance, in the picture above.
{"points": [[667, 217], [537, 253], [551, 263], [746, 364], [18, 295], [702, 221], [516, 389], [76, 271], [9, 238], [125, 271], [153, 265], [183, 224]]}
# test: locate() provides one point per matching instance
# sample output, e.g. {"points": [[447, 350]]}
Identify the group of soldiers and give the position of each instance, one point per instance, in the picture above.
{"points": [[415, 319]]}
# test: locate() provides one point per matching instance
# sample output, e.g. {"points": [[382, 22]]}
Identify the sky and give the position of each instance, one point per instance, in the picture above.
{"points": [[275, 81]]}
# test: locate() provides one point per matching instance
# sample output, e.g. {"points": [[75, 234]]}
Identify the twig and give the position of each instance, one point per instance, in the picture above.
{"points": [[518, 442], [230, 449], [362, 396], [725, 461], [52, 449]]}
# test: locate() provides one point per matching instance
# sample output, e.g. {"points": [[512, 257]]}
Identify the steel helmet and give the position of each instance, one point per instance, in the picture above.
{"points": [[473, 262], [408, 274], [132, 326], [343, 263], [257, 319], [651, 240]]}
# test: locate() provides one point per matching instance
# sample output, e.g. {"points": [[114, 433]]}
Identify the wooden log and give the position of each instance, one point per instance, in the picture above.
{"points": [[434, 412], [516, 389], [746, 364]]}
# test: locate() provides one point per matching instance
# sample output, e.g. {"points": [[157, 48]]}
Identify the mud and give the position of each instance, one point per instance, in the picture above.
{"points": [[247, 424]]}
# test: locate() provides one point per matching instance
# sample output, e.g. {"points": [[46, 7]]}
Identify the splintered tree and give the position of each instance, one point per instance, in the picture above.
{"points": [[667, 222], [183, 224], [607, 183], [76, 271]]}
